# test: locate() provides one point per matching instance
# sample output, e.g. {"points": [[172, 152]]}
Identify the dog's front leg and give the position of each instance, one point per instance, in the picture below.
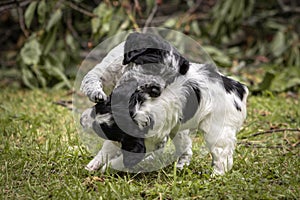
{"points": [[109, 151], [183, 146], [104, 76], [116, 163]]}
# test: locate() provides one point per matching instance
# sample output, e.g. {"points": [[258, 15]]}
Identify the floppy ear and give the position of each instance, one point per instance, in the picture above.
{"points": [[144, 55], [148, 48], [108, 132], [133, 150], [184, 65], [99, 131], [141, 48]]}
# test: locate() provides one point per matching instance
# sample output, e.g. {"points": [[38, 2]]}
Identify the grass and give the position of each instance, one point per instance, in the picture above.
{"points": [[42, 157]]}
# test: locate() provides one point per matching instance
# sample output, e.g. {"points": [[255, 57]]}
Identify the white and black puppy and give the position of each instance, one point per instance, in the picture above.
{"points": [[156, 94]]}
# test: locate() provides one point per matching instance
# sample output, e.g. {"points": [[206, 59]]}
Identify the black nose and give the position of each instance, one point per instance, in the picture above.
{"points": [[154, 91]]}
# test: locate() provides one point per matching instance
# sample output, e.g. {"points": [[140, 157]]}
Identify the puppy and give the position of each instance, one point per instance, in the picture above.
{"points": [[156, 94]]}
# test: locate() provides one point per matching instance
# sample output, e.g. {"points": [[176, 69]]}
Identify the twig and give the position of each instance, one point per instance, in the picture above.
{"points": [[188, 15], [150, 17], [70, 26], [21, 21], [286, 8], [272, 131], [194, 8], [132, 19], [81, 10], [281, 4], [13, 4], [138, 7], [249, 144], [64, 104]]}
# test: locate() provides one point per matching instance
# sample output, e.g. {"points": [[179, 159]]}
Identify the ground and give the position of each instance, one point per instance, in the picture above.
{"points": [[42, 156]]}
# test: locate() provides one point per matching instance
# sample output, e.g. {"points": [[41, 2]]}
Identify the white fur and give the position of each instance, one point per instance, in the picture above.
{"points": [[216, 115], [104, 75]]}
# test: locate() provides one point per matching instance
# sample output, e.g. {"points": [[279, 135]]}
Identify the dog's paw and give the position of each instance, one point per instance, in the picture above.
{"points": [[94, 165], [182, 162], [97, 96], [216, 173], [104, 168], [142, 119]]}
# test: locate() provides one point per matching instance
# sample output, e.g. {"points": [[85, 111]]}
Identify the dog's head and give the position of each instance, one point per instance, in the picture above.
{"points": [[152, 58]]}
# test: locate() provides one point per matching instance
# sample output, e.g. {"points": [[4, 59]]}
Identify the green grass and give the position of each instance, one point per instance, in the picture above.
{"points": [[41, 156]]}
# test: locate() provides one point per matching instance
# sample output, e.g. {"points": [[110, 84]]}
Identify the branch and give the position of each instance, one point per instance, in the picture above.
{"points": [[188, 15], [286, 8], [132, 19], [138, 7], [252, 145], [81, 10], [65, 103], [13, 4], [21, 21], [150, 17], [195, 7], [70, 26], [272, 131]]}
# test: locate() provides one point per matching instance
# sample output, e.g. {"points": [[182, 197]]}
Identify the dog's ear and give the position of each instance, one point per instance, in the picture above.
{"points": [[143, 56], [148, 48], [136, 45], [108, 132], [99, 131], [184, 65], [133, 150], [141, 48]]}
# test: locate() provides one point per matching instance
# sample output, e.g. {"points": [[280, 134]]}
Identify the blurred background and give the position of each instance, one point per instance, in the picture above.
{"points": [[43, 42]]}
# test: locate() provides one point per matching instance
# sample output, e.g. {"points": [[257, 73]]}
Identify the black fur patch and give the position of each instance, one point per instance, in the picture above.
{"points": [[133, 150], [147, 48], [237, 106], [233, 86], [193, 99], [230, 85], [133, 144]]}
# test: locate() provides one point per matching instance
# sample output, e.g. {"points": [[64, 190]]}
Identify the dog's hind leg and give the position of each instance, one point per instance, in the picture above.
{"points": [[109, 151], [183, 146], [221, 145]]}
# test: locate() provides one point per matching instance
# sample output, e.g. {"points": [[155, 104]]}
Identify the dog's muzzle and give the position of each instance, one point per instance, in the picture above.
{"points": [[153, 89]]}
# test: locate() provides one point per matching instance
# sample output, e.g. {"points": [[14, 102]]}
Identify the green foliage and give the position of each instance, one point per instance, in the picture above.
{"points": [[232, 32], [31, 52], [258, 23], [50, 50], [287, 80], [248, 28], [109, 21], [54, 45], [30, 13], [228, 16]]}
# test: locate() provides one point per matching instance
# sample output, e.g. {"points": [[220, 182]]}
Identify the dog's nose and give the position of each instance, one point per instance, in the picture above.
{"points": [[155, 91]]}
